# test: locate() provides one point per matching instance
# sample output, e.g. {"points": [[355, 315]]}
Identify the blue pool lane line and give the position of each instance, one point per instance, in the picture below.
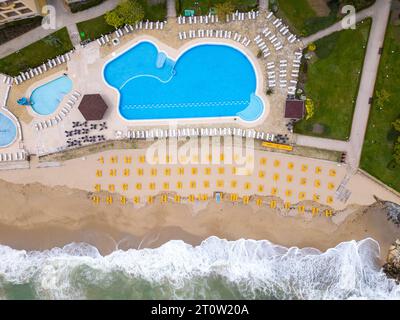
{"points": [[208, 80]]}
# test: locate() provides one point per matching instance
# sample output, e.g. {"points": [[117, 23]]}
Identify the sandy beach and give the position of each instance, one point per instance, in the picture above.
{"points": [[36, 217]]}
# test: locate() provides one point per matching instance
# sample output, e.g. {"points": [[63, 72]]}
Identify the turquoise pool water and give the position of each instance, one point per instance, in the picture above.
{"points": [[46, 98], [208, 80], [8, 130]]}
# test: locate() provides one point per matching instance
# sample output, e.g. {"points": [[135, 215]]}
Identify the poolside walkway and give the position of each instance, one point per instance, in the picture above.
{"points": [[353, 147], [64, 18]]}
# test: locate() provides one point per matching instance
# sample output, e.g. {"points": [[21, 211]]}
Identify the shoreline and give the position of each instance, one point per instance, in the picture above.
{"points": [[27, 223]]}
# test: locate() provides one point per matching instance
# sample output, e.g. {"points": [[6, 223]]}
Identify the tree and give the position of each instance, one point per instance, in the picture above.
{"points": [[127, 12], [223, 9], [396, 125], [131, 11], [113, 19]]}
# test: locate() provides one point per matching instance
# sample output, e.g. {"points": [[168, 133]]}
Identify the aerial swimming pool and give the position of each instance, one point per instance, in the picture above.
{"points": [[46, 98], [8, 130], [206, 81]]}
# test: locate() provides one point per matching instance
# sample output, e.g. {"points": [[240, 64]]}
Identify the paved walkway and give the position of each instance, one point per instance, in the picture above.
{"points": [[74, 34], [171, 10], [322, 143], [64, 18], [263, 4], [380, 13], [368, 12]]}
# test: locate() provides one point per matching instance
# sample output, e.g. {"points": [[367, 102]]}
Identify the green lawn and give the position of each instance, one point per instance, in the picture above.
{"points": [[333, 80], [94, 28], [38, 52], [380, 135], [203, 6]]}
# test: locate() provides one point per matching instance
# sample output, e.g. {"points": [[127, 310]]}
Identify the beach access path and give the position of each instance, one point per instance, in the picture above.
{"points": [[379, 13], [171, 9], [64, 18]]}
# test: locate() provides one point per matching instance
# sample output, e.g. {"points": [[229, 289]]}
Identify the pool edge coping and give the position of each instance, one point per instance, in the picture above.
{"points": [[175, 54]]}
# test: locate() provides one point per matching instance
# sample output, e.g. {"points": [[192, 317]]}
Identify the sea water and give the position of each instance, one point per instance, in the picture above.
{"points": [[216, 269]]}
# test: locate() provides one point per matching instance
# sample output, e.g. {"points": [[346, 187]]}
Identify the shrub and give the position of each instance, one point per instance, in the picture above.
{"points": [[127, 12], [309, 108]]}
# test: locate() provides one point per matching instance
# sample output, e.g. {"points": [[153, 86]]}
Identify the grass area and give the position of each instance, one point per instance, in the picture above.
{"points": [[14, 29], [38, 52], [380, 136], [332, 82], [94, 28], [202, 7], [302, 18], [80, 6], [154, 12]]}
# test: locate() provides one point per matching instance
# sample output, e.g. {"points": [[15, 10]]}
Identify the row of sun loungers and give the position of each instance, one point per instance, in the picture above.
{"points": [[210, 33], [236, 16], [240, 16], [262, 46], [51, 63], [281, 27], [141, 25], [198, 19], [17, 156], [199, 132], [73, 98], [295, 72], [272, 38], [8, 80]]}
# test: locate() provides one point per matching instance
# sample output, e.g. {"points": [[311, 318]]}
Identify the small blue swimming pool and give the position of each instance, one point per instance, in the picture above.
{"points": [[208, 80], [46, 98], [8, 130]]}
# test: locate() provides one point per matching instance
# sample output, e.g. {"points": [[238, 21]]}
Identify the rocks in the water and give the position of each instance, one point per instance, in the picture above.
{"points": [[392, 265]]}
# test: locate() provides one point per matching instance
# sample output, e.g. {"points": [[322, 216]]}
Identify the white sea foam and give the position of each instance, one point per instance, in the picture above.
{"points": [[255, 268]]}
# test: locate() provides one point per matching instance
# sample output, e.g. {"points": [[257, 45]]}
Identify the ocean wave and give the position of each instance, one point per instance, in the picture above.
{"points": [[215, 269]]}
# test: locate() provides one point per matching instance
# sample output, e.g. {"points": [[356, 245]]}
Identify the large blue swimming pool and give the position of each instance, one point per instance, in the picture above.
{"points": [[8, 130], [46, 98], [208, 80]]}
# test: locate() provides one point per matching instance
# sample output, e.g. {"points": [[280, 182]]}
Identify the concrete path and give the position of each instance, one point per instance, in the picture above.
{"points": [[263, 5], [74, 34], [380, 15], [171, 10], [322, 143], [64, 18], [368, 12]]}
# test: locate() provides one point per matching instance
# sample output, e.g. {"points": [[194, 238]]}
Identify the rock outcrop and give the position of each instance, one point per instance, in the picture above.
{"points": [[392, 265]]}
